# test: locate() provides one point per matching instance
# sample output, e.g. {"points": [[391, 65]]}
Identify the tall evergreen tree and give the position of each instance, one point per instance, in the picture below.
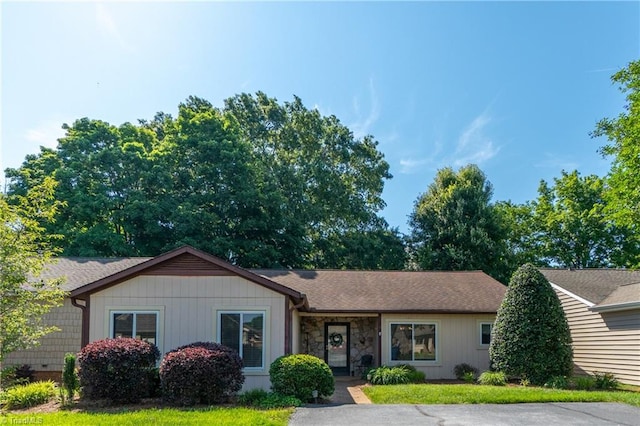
{"points": [[531, 337]]}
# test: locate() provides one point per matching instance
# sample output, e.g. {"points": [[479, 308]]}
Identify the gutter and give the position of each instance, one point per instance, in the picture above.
{"points": [[615, 307]]}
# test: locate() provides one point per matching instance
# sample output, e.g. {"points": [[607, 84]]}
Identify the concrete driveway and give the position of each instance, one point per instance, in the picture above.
{"points": [[547, 414]]}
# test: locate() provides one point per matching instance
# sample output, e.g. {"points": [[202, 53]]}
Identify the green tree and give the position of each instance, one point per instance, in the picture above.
{"points": [[623, 134], [258, 183], [332, 182], [455, 226], [522, 237], [24, 250], [531, 337], [572, 228]]}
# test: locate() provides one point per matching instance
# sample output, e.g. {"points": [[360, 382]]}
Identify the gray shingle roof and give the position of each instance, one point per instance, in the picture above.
{"points": [[393, 291], [595, 285], [333, 290], [80, 271]]}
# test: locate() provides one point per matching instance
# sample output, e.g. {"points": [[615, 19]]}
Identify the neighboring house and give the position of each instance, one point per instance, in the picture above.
{"points": [[603, 310], [351, 319]]}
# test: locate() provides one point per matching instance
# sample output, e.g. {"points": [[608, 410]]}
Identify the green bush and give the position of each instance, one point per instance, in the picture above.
{"points": [[469, 377], [462, 370], [70, 381], [116, 369], [493, 378], [584, 382], [29, 395], [605, 381], [531, 336], [260, 398], [385, 375], [417, 376], [557, 382], [299, 375]]}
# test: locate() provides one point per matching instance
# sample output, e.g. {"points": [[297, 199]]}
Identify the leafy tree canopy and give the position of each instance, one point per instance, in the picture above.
{"points": [[623, 134], [24, 250], [455, 226], [257, 182]]}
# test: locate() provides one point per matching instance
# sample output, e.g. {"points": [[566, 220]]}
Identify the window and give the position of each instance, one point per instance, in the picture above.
{"points": [[244, 332], [413, 342], [485, 333], [141, 325]]}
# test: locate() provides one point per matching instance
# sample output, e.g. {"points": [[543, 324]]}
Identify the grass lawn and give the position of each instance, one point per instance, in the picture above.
{"points": [[479, 394], [155, 417]]}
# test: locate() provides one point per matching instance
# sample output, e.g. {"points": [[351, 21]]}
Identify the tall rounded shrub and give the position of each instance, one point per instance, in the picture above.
{"points": [[299, 375], [531, 337], [116, 369], [200, 373]]}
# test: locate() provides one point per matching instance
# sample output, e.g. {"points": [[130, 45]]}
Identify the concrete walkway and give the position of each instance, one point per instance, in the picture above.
{"points": [[347, 391]]}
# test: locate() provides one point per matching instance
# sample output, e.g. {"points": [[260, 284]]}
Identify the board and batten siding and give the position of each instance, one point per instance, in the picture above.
{"points": [[604, 342], [49, 355], [457, 341], [188, 308]]}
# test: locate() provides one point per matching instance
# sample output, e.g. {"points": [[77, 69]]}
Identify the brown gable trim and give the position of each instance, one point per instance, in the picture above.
{"points": [[187, 265], [218, 266]]}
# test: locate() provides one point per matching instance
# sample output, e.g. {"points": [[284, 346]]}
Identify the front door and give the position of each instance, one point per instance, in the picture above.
{"points": [[336, 349]]}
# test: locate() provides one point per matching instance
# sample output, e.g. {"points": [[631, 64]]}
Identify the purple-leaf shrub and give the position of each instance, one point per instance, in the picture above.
{"points": [[200, 373], [116, 369]]}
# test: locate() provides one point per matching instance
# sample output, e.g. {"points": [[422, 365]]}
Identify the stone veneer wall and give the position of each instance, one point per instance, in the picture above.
{"points": [[362, 338]]}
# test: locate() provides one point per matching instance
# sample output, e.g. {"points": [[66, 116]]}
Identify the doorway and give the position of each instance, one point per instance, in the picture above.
{"points": [[336, 348]]}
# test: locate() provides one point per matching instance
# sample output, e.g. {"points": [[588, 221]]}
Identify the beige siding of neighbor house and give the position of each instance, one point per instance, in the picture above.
{"points": [[188, 311], [604, 342], [457, 341], [49, 355]]}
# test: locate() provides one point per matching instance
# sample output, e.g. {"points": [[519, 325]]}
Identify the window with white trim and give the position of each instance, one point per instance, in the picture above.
{"points": [[485, 333], [413, 341], [244, 332], [141, 325]]}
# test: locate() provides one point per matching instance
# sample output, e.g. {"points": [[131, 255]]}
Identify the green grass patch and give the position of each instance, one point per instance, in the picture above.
{"points": [[479, 394], [157, 417]]}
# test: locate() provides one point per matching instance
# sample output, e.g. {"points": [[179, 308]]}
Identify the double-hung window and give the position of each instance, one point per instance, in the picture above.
{"points": [[413, 341], [244, 332], [141, 325]]}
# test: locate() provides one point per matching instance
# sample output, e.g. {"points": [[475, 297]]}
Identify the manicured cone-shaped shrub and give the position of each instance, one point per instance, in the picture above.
{"points": [[531, 337], [200, 373], [299, 375], [116, 369]]}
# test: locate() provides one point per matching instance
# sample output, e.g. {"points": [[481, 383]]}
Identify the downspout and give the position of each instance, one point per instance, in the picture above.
{"points": [[288, 338], [84, 339], [379, 326]]}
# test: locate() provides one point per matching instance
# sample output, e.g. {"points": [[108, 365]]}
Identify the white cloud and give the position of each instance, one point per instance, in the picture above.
{"points": [[46, 133], [108, 26], [362, 126], [553, 161], [408, 166], [474, 145]]}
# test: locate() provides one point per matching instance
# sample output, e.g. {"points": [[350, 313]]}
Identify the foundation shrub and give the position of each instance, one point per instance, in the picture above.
{"points": [[462, 371], [29, 395], [200, 373], [493, 378], [116, 369], [299, 375]]}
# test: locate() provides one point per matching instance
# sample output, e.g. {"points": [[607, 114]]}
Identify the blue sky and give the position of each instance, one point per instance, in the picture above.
{"points": [[514, 87]]}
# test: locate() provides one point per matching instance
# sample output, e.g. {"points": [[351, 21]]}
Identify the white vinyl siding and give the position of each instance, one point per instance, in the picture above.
{"points": [[188, 314]]}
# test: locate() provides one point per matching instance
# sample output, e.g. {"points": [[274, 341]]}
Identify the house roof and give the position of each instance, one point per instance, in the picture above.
{"points": [[80, 271], [393, 291], [81, 283], [594, 285], [325, 290]]}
